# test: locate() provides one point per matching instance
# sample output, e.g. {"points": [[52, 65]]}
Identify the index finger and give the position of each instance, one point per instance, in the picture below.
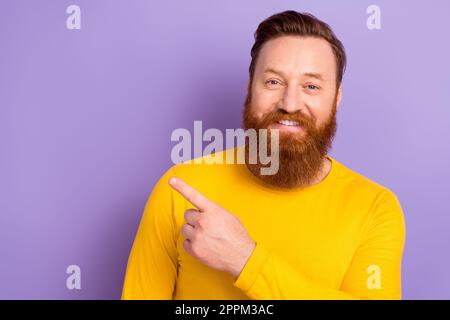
{"points": [[190, 194]]}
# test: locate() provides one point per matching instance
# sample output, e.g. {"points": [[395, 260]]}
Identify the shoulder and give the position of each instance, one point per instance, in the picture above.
{"points": [[359, 184], [380, 199], [383, 203]]}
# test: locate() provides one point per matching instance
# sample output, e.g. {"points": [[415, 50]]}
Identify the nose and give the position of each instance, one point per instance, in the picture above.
{"points": [[292, 100]]}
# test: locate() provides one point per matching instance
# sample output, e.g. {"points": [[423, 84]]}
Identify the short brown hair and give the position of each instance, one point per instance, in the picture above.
{"points": [[303, 24]]}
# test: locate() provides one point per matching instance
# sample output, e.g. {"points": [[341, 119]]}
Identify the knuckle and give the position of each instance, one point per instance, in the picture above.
{"points": [[202, 223], [184, 229], [195, 237], [195, 198], [188, 213]]}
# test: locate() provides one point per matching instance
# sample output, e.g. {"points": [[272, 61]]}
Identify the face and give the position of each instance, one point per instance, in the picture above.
{"points": [[294, 90]]}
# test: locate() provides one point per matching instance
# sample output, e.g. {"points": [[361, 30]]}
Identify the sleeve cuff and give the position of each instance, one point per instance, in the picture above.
{"points": [[252, 268]]}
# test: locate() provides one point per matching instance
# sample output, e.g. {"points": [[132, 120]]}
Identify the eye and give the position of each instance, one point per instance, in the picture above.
{"points": [[312, 87], [272, 82]]}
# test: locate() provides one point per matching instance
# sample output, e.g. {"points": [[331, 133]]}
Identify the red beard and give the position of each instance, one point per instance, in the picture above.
{"points": [[300, 156]]}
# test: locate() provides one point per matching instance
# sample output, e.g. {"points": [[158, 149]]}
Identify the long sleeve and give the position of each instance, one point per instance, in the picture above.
{"points": [[152, 264], [374, 273]]}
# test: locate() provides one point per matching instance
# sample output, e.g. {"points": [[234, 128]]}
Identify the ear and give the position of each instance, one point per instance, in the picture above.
{"points": [[338, 97]]}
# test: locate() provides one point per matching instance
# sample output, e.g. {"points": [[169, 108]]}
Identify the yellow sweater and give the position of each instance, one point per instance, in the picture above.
{"points": [[342, 238]]}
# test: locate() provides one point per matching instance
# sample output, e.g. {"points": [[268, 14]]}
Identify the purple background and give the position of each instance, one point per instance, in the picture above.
{"points": [[86, 117]]}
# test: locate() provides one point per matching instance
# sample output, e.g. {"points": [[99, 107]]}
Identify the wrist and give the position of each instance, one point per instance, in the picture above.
{"points": [[246, 252]]}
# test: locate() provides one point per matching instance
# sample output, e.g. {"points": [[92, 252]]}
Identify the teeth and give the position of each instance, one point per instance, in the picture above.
{"points": [[288, 122]]}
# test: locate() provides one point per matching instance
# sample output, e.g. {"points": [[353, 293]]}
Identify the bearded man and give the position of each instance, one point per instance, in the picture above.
{"points": [[314, 229]]}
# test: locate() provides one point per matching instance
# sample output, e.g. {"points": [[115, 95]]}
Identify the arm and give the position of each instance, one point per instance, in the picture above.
{"points": [[268, 276], [152, 265]]}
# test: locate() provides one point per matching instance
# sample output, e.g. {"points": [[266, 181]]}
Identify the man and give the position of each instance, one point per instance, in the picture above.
{"points": [[313, 230]]}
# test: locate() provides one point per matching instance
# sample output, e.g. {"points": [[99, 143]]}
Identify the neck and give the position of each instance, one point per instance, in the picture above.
{"points": [[323, 172]]}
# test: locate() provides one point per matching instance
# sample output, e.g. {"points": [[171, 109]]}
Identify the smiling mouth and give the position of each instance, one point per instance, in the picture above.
{"points": [[289, 123], [287, 126]]}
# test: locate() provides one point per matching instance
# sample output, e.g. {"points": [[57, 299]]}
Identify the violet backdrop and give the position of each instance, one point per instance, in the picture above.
{"points": [[86, 117]]}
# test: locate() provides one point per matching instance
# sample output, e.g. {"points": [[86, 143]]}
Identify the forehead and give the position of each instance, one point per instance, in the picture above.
{"points": [[295, 54]]}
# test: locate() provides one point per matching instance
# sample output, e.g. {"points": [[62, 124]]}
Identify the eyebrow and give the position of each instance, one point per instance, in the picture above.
{"points": [[306, 74]]}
